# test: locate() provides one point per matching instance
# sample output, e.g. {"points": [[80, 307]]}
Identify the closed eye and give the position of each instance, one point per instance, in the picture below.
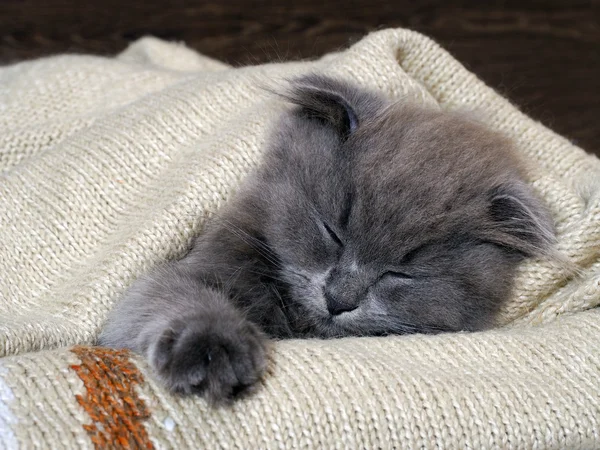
{"points": [[334, 237], [396, 274]]}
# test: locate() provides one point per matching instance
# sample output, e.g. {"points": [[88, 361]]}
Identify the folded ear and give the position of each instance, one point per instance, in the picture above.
{"points": [[520, 222], [324, 99]]}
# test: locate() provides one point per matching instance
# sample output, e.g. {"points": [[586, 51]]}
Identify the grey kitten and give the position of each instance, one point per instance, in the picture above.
{"points": [[366, 218]]}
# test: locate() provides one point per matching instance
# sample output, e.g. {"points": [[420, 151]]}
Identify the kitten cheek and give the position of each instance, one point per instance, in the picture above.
{"points": [[376, 306], [309, 300]]}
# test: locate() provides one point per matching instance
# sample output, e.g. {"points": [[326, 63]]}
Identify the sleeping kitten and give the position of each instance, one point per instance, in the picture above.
{"points": [[366, 218]]}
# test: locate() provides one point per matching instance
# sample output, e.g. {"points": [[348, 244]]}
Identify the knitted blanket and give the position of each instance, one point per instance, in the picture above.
{"points": [[111, 165]]}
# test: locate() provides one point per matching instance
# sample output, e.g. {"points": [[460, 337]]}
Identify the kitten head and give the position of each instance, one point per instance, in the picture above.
{"points": [[391, 218]]}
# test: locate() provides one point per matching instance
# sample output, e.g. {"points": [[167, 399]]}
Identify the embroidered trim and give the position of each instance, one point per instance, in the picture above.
{"points": [[116, 410]]}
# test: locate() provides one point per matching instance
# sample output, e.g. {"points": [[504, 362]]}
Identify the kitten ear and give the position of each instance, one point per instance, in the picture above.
{"points": [[323, 99], [521, 223]]}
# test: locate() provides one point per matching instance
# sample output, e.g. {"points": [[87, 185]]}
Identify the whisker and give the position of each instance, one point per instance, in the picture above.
{"points": [[253, 242]]}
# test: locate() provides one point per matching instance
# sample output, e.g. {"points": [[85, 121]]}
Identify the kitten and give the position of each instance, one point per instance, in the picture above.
{"points": [[366, 218]]}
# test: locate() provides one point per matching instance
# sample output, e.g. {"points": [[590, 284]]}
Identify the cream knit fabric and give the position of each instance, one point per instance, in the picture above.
{"points": [[110, 165]]}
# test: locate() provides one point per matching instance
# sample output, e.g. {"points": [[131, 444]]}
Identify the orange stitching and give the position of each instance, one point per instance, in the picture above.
{"points": [[116, 410]]}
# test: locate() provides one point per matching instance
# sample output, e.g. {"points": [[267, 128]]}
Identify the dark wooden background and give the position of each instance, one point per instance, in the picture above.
{"points": [[543, 54]]}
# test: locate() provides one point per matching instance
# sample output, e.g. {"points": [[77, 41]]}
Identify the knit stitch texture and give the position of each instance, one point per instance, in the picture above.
{"points": [[111, 165]]}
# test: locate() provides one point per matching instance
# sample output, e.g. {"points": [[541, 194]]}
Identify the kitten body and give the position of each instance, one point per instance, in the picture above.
{"points": [[366, 217]]}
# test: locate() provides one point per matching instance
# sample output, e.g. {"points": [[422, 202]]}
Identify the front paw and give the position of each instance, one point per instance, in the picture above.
{"points": [[220, 358]]}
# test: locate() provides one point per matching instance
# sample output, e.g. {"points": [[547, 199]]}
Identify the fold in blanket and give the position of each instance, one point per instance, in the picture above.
{"points": [[111, 165]]}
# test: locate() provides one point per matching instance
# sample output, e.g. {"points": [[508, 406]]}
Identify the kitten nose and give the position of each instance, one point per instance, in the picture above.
{"points": [[336, 307]]}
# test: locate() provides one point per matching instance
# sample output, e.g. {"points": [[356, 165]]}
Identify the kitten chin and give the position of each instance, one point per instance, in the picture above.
{"points": [[366, 217]]}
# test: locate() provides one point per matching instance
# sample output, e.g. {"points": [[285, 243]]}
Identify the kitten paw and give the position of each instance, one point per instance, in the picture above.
{"points": [[219, 358]]}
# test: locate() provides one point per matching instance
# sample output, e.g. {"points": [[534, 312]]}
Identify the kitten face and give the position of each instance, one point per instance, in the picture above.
{"points": [[389, 218]]}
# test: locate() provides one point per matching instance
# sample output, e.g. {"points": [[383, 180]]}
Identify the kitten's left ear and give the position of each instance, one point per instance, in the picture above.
{"points": [[326, 100], [521, 222]]}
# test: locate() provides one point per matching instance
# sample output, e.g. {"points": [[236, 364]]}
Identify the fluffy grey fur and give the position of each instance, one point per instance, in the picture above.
{"points": [[367, 217]]}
